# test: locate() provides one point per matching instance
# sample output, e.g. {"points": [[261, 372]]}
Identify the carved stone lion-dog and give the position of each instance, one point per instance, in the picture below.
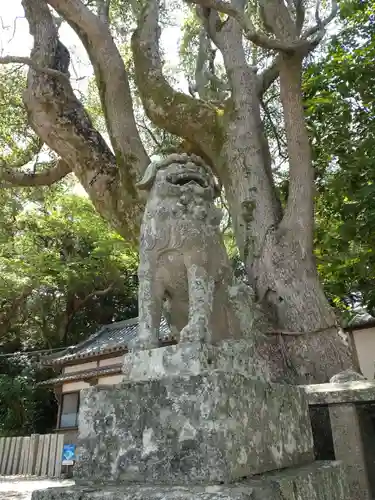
{"points": [[183, 260]]}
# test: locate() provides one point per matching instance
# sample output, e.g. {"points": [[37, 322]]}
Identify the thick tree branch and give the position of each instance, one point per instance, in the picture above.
{"points": [[73, 306], [201, 79], [249, 30], [27, 179], [62, 123], [103, 9], [322, 23], [180, 114], [286, 39], [95, 293], [208, 85], [113, 85], [300, 15], [299, 213], [269, 75], [279, 19], [246, 170], [29, 62]]}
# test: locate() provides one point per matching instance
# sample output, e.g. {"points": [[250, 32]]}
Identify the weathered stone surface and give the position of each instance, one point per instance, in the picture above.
{"points": [[233, 356], [178, 267], [352, 433], [346, 376], [319, 481], [348, 441], [211, 427], [361, 391]]}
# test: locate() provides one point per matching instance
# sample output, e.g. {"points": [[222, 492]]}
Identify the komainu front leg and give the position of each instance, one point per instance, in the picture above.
{"points": [[150, 300], [201, 293]]}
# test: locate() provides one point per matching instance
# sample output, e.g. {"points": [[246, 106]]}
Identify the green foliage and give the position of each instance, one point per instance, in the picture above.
{"points": [[58, 259], [63, 272], [340, 103], [18, 143], [25, 408], [189, 44]]}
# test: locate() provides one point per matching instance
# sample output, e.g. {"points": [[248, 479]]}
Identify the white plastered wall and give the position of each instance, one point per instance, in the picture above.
{"points": [[118, 360], [364, 341], [110, 380], [74, 386], [80, 367]]}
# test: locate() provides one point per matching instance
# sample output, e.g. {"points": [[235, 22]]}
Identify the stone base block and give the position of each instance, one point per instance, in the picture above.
{"points": [[239, 356], [206, 428], [319, 481]]}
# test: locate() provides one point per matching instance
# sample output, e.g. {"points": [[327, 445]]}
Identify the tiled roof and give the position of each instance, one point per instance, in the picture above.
{"points": [[84, 375], [115, 337]]}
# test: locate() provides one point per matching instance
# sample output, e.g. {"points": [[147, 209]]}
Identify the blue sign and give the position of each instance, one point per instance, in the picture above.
{"points": [[68, 454]]}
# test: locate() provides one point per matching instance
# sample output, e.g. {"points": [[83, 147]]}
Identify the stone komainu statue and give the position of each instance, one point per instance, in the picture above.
{"points": [[183, 262]]}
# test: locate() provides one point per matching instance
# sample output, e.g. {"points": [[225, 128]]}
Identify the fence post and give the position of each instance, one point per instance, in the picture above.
{"points": [[11, 455], [5, 456], [52, 456], [25, 454], [2, 449], [38, 463], [17, 456], [59, 450], [43, 471], [32, 453]]}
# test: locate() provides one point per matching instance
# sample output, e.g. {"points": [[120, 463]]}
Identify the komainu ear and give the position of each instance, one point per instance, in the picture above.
{"points": [[148, 177]]}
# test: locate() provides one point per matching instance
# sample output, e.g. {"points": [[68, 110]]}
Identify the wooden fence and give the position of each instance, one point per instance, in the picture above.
{"points": [[35, 455]]}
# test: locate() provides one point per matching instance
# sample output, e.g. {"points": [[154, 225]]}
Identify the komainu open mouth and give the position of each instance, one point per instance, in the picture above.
{"points": [[184, 178]]}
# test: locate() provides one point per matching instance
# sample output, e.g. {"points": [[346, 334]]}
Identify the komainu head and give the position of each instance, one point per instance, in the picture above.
{"points": [[177, 173]]}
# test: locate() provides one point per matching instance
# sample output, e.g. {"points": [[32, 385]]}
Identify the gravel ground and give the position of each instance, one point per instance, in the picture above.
{"points": [[20, 488]]}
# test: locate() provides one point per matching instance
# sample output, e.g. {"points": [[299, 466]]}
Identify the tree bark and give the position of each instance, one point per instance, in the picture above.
{"points": [[62, 123], [287, 279], [243, 163], [113, 85], [276, 247]]}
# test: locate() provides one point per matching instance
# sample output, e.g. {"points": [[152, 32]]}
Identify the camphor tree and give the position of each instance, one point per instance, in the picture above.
{"points": [[219, 120]]}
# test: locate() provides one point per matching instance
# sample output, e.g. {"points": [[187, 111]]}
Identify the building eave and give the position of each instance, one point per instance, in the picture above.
{"points": [[71, 359], [108, 341], [83, 375]]}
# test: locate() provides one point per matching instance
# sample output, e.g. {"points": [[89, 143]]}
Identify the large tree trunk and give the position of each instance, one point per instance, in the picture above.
{"points": [[284, 277], [276, 247], [287, 278]]}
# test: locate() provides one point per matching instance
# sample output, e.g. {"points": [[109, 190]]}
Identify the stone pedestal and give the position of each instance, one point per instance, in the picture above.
{"points": [[318, 481], [348, 445], [190, 423], [229, 356], [352, 432], [210, 427]]}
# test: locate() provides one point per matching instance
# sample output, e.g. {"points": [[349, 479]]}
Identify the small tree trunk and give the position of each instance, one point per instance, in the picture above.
{"points": [[287, 278]]}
